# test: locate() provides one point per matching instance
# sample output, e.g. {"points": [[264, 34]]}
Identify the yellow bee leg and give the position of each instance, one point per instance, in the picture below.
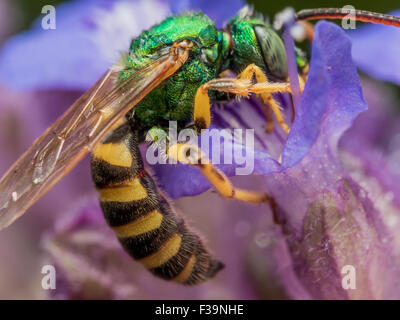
{"points": [[225, 188], [201, 110], [202, 105], [242, 87], [265, 90], [270, 120], [303, 79], [192, 155]]}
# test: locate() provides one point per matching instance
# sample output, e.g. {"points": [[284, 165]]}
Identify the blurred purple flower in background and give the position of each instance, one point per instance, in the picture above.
{"points": [[333, 219], [376, 50], [336, 190]]}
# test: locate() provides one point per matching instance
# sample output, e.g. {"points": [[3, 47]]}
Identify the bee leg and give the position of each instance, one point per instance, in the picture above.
{"points": [[192, 155], [242, 87], [253, 71], [270, 120]]}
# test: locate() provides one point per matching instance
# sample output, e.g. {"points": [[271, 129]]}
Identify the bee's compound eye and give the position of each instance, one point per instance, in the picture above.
{"points": [[272, 50]]}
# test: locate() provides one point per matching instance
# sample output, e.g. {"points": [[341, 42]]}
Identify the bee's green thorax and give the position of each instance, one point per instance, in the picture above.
{"points": [[194, 26], [246, 40], [173, 98], [255, 41]]}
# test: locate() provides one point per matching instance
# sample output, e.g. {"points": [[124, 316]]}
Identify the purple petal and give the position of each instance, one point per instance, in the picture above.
{"points": [[182, 180], [331, 220], [290, 55], [332, 97], [89, 37], [376, 50], [331, 101], [374, 138]]}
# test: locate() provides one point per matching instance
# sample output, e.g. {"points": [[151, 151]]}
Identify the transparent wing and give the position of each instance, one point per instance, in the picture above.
{"points": [[74, 134]]}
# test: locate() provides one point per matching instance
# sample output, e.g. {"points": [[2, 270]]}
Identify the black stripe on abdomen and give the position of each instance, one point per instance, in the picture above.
{"points": [[145, 223]]}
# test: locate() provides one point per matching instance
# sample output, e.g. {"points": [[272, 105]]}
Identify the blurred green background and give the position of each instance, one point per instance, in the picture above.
{"points": [[271, 7]]}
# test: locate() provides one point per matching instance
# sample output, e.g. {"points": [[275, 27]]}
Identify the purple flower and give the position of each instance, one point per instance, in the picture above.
{"points": [[337, 199], [341, 206], [376, 49], [335, 95], [331, 220], [90, 29], [91, 263]]}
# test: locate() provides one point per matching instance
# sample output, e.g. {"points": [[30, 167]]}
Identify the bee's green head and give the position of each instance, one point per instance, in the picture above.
{"points": [[255, 41]]}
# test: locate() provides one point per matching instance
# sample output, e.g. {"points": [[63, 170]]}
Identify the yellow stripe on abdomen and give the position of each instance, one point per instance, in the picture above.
{"points": [[131, 191], [143, 224], [169, 249], [117, 154], [187, 270]]}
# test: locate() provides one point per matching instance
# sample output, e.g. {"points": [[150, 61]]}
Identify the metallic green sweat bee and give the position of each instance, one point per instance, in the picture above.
{"points": [[173, 71]]}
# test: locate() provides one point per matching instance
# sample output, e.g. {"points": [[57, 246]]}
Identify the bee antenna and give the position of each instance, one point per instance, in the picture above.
{"points": [[358, 15]]}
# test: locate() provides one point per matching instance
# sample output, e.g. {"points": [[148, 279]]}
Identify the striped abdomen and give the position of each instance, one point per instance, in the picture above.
{"points": [[144, 222]]}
